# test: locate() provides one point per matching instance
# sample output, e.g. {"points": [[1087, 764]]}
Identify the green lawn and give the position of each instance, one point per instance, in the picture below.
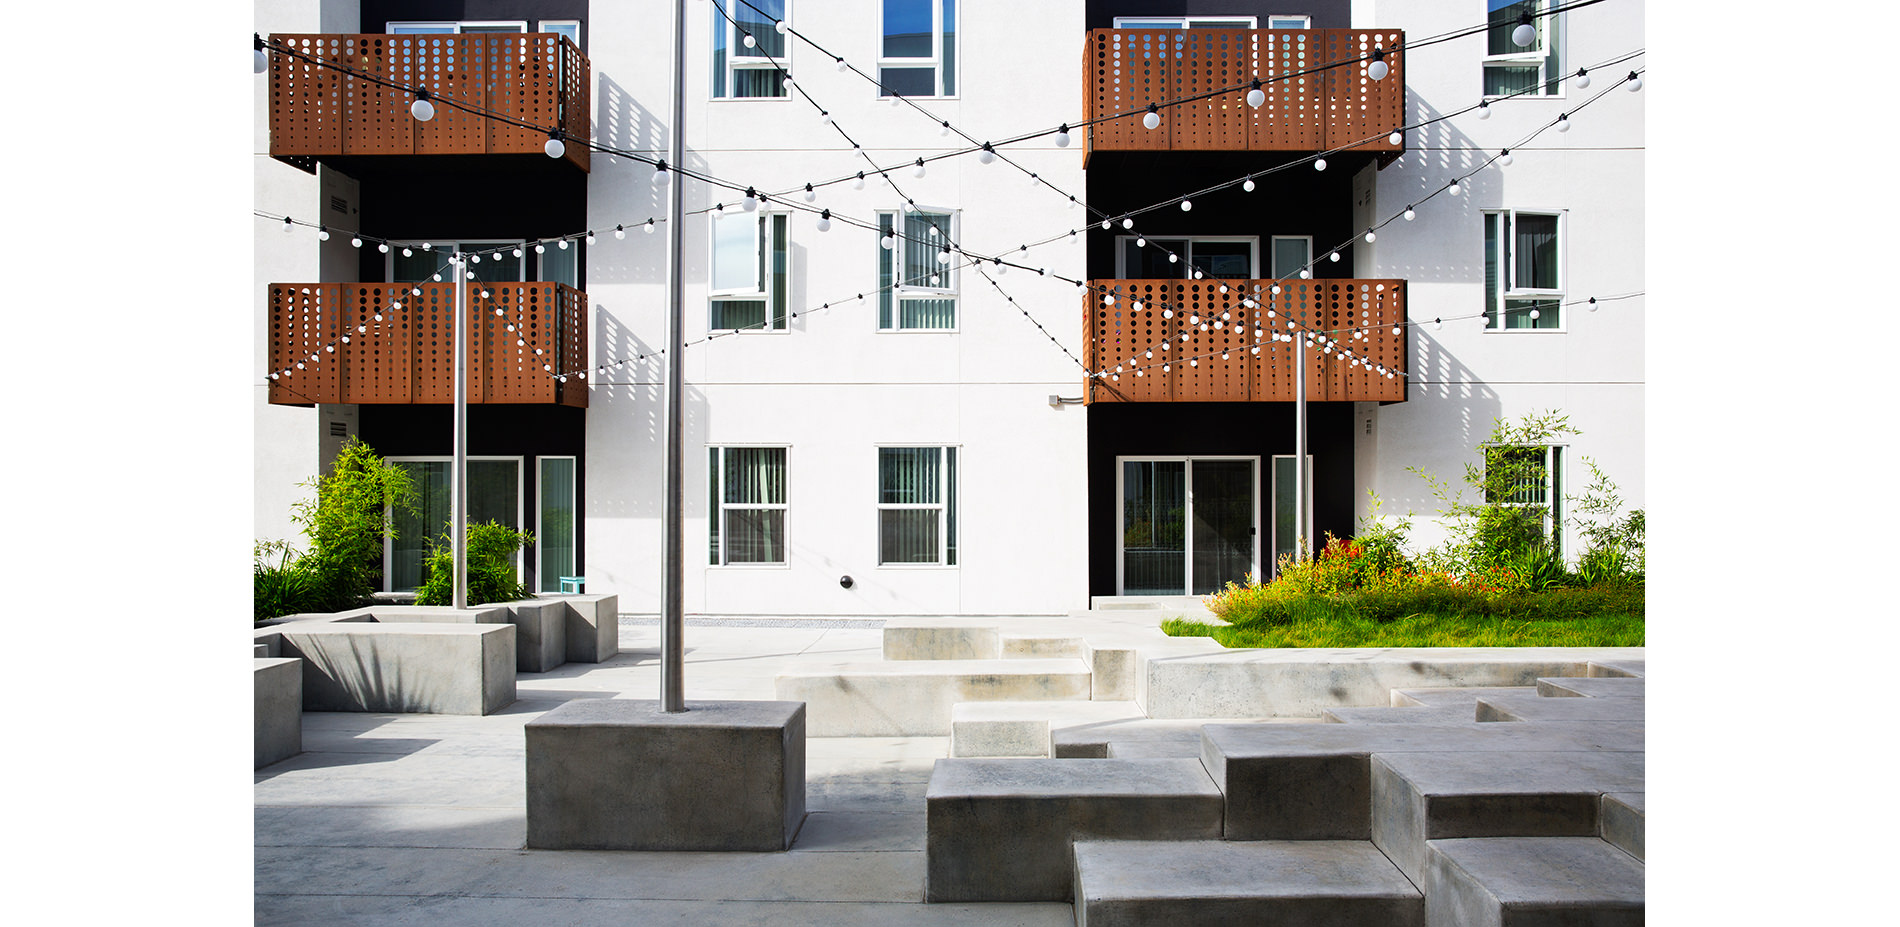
{"points": [[1425, 630]]}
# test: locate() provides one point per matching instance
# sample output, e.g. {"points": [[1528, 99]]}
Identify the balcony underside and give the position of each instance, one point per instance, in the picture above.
{"points": [[1196, 340], [384, 343]]}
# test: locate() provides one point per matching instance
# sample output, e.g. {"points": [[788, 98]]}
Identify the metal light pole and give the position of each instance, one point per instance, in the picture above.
{"points": [[458, 477], [1302, 504], [673, 495]]}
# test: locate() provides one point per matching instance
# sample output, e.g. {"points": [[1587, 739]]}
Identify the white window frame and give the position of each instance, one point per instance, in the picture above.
{"points": [[455, 26], [901, 291], [1187, 533], [764, 239], [936, 59], [540, 507], [1555, 528], [389, 560], [946, 491], [456, 247], [717, 490], [1278, 238], [1183, 22], [734, 42], [1306, 22], [1509, 291], [541, 25], [1538, 54], [1187, 260]]}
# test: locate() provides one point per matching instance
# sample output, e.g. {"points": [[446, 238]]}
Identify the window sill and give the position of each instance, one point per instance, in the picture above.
{"points": [[927, 567], [748, 566], [918, 331]]}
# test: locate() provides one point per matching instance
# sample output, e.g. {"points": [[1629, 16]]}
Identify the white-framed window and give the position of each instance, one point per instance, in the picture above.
{"points": [[1523, 270], [1289, 21], [917, 56], [1190, 22], [409, 262], [1289, 254], [758, 71], [1533, 69], [494, 494], [556, 521], [751, 271], [1536, 481], [747, 514], [917, 287], [567, 27], [453, 27], [917, 506], [1223, 257]]}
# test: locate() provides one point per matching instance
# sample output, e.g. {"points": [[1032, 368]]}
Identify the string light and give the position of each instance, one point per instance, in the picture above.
{"points": [[1062, 135], [1583, 78], [1153, 119], [1255, 96], [554, 147], [422, 109], [1377, 68], [1319, 164]]}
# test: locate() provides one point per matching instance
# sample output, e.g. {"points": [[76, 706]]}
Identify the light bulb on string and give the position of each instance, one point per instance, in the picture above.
{"points": [[1504, 157], [323, 234], [919, 172], [1306, 273], [1454, 189], [620, 234], [1334, 257], [1484, 109], [1563, 122], [810, 194], [824, 116], [1410, 213], [987, 155], [943, 256], [554, 146], [288, 225], [1636, 81], [561, 244], [383, 247], [751, 202], [1256, 96], [260, 62], [540, 247], [1186, 205], [590, 238], [751, 42], [649, 227], [1153, 119], [422, 109], [858, 184], [1397, 137], [1247, 185], [887, 241], [841, 64], [1525, 33], [1174, 258], [1371, 236], [824, 221], [1319, 164], [660, 174], [786, 85], [1128, 223], [408, 252], [1062, 136], [1593, 304], [1583, 78]]}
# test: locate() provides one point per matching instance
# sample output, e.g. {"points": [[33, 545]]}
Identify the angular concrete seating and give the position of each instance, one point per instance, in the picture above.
{"points": [[1022, 728], [1149, 737], [540, 634], [1530, 882], [1632, 667], [1454, 696], [940, 639], [914, 697], [1001, 830], [620, 774], [1540, 708], [432, 668], [1620, 821], [1033, 646], [1418, 797], [1592, 687], [1409, 714], [593, 626], [277, 709], [1318, 883], [1315, 781]]}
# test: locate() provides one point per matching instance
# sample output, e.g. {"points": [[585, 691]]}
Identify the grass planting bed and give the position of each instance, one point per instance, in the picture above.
{"points": [[1606, 616]]}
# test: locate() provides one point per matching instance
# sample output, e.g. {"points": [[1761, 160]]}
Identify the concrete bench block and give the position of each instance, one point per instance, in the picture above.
{"points": [[1592, 687], [1632, 667], [1023, 728], [1465, 697], [1532, 882], [260, 649], [1026, 646], [1620, 821], [1315, 883], [1315, 782], [1116, 671], [1001, 830], [1410, 714], [935, 639], [540, 634], [497, 613], [432, 668], [277, 710], [1418, 797], [620, 774], [1179, 737], [1539, 708], [593, 626], [915, 697]]}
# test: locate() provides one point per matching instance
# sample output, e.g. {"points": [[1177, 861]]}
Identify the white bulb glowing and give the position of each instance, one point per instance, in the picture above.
{"points": [[555, 148], [1410, 214], [1319, 164], [1255, 97], [751, 42], [1524, 35], [423, 110], [1186, 205], [1152, 120], [1062, 138], [1378, 69], [1371, 237], [1396, 138], [1247, 185]]}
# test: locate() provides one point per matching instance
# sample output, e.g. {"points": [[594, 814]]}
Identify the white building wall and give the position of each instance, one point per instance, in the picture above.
{"points": [[833, 388], [1463, 377]]}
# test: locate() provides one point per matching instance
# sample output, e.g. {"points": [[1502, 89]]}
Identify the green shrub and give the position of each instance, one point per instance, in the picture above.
{"points": [[347, 523], [280, 583], [491, 567]]}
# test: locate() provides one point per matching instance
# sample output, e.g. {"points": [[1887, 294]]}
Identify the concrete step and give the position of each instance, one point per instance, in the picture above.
{"points": [[1418, 797], [905, 698], [1635, 668], [1315, 782], [1319, 883], [1540, 708], [1410, 714], [1152, 737], [1466, 696], [1022, 728], [1620, 821], [1002, 829], [1031, 646], [1592, 687], [1506, 881], [941, 639]]}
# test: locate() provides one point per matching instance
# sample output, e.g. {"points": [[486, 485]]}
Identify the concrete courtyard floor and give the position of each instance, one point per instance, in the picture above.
{"points": [[421, 819]]}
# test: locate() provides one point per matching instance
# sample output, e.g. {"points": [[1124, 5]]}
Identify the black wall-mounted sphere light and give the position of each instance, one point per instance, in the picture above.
{"points": [[844, 581]]}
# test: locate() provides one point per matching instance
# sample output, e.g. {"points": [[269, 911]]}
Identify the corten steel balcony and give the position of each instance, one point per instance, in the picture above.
{"points": [[1120, 335], [537, 78], [1307, 108], [407, 357]]}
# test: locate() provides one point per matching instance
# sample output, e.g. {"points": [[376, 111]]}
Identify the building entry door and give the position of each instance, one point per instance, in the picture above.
{"points": [[1187, 525]]}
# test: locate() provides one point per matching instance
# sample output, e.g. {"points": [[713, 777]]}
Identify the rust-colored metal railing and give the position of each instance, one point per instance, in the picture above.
{"points": [[539, 79], [1219, 364], [402, 341], [1309, 107]]}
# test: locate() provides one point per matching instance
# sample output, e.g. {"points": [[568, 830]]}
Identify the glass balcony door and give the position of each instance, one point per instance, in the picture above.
{"points": [[1188, 525]]}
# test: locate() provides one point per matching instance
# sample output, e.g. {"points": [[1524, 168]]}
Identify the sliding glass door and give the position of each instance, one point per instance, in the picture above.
{"points": [[1188, 525], [494, 494]]}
